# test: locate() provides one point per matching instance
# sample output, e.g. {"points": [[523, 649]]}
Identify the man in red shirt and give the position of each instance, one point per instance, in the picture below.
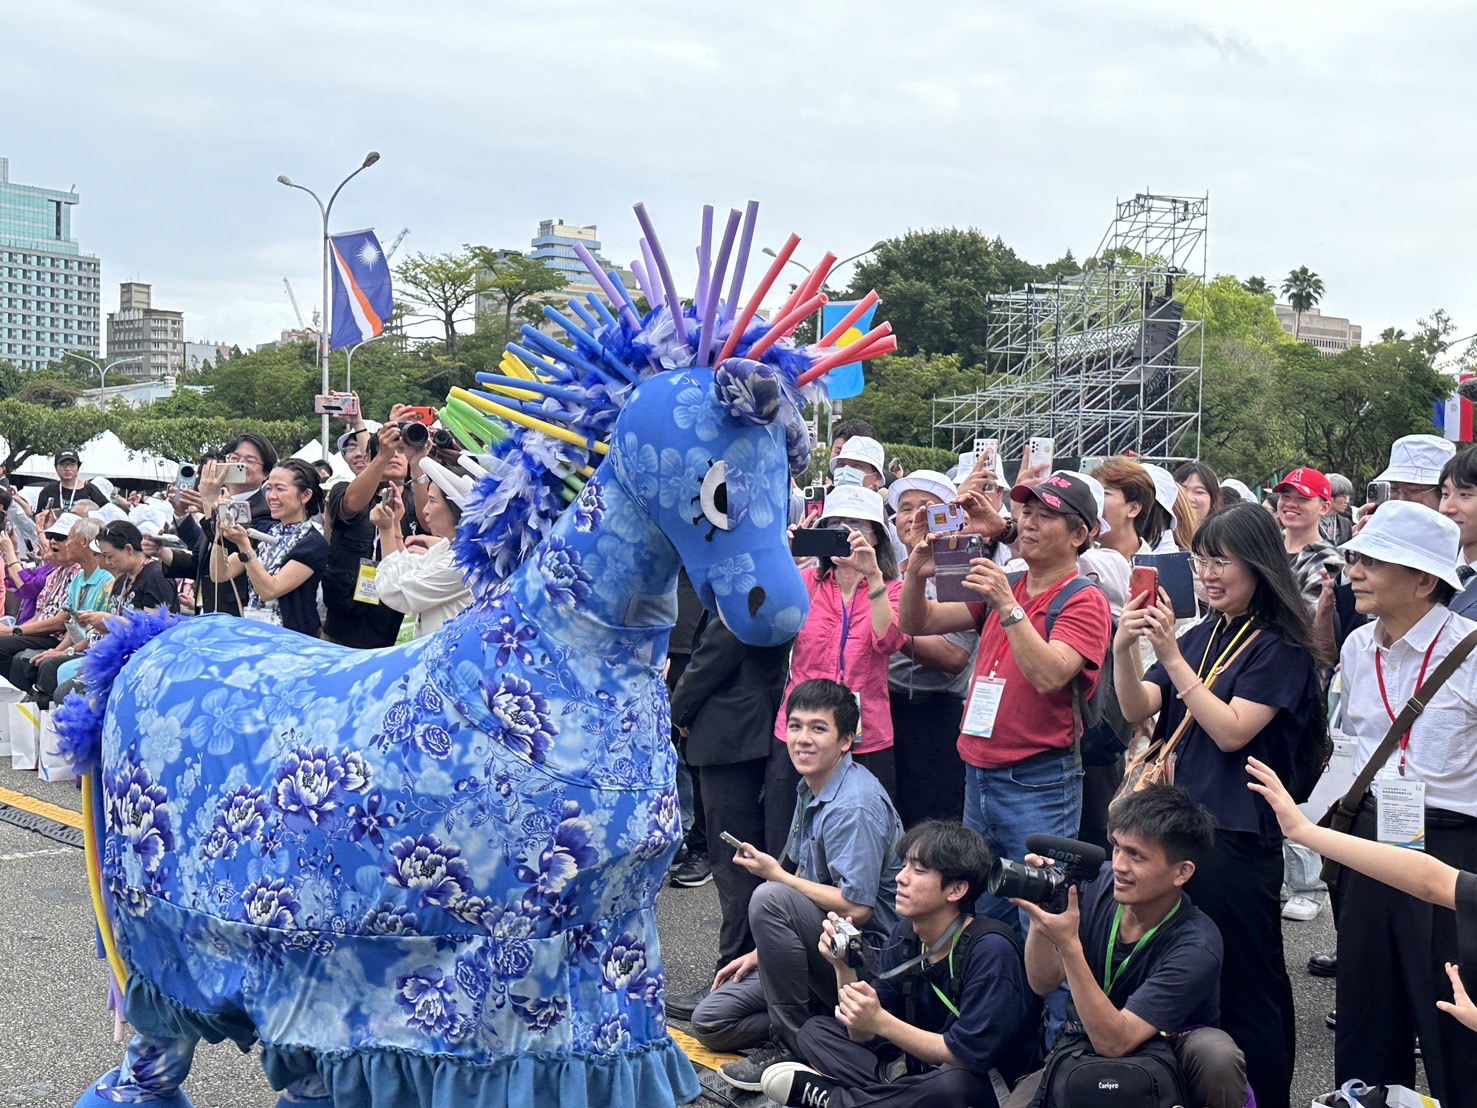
{"points": [[1019, 733]]}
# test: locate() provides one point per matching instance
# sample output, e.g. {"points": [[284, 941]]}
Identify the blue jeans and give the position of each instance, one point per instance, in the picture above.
{"points": [[1007, 805]]}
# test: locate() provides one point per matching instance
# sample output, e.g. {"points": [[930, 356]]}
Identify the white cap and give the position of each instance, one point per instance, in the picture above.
{"points": [[458, 488], [1238, 486], [853, 502], [930, 481], [63, 525], [369, 425], [1095, 487], [859, 448], [1418, 459], [1412, 535], [1166, 490], [103, 485]]}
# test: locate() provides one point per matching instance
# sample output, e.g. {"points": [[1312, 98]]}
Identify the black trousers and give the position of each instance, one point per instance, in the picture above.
{"points": [[925, 743], [11, 645], [28, 676], [1238, 885], [732, 802], [780, 782], [824, 1044], [1392, 954]]}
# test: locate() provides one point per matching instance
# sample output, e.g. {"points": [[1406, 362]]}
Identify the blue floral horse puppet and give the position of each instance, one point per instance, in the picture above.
{"points": [[426, 875]]}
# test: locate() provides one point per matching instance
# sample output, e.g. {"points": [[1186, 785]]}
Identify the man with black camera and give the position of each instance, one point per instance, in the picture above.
{"points": [[841, 857], [1140, 960], [949, 1002]]}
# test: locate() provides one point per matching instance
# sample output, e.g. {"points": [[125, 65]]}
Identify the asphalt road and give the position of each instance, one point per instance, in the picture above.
{"points": [[56, 1034]]}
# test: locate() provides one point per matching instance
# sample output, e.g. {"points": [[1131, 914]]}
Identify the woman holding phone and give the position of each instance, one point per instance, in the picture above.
{"points": [[1242, 683], [848, 637]]}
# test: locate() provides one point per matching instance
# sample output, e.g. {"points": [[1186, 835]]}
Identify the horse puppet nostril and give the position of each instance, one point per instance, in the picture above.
{"points": [[756, 601]]}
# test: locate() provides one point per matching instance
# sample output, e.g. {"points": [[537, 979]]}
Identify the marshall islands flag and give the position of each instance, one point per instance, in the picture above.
{"points": [[362, 300]]}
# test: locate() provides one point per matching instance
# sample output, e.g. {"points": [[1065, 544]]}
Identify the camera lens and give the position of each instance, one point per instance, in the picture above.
{"points": [[187, 471], [1046, 887], [414, 434]]}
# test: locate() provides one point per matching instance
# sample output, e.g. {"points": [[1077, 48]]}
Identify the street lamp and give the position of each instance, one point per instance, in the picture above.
{"points": [[102, 370], [325, 333], [349, 359]]}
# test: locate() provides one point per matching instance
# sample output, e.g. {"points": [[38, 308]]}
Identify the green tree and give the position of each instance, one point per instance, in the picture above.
{"points": [[270, 384], [48, 392], [186, 439], [1303, 289], [1257, 286], [515, 279], [29, 429], [10, 380], [898, 401], [934, 286], [440, 286]]}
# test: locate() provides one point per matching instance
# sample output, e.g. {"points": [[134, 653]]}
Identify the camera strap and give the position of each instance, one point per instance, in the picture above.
{"points": [[950, 936]]}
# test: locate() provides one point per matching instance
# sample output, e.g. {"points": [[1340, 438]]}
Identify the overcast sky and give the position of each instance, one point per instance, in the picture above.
{"points": [[1326, 134]]}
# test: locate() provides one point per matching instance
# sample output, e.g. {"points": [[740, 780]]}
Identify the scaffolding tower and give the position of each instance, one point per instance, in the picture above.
{"points": [[1104, 361]]}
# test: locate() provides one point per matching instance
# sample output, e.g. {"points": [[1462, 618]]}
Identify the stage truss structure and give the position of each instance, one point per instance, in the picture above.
{"points": [[1106, 361]]}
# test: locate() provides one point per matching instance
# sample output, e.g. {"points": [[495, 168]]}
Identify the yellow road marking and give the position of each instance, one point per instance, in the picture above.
{"points": [[41, 808], [700, 1054]]}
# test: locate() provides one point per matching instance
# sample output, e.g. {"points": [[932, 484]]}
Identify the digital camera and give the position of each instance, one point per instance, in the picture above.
{"points": [[1078, 862], [846, 944], [417, 434], [187, 475], [945, 519]]}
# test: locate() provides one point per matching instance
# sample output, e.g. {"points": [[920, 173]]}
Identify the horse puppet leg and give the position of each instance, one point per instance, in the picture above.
{"points": [[152, 1072]]}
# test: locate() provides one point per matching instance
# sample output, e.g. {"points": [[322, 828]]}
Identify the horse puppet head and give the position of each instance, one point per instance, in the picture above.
{"points": [[709, 456]]}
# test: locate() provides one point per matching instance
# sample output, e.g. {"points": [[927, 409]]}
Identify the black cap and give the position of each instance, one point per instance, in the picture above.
{"points": [[1061, 493], [66, 456]]}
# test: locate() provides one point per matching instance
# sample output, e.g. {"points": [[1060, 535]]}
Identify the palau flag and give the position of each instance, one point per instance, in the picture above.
{"points": [[362, 299], [847, 380]]}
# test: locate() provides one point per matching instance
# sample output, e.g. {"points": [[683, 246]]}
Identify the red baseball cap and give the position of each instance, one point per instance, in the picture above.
{"points": [[1306, 482]]}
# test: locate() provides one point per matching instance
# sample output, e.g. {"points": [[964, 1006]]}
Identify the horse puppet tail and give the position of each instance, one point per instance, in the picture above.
{"points": [[79, 718]]}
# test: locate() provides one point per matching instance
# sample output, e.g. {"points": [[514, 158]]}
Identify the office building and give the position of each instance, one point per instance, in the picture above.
{"points": [[554, 247], [48, 288], [1331, 334], [199, 354], [146, 342]]}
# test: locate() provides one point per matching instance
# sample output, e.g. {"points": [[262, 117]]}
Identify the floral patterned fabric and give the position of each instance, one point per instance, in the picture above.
{"points": [[428, 873]]}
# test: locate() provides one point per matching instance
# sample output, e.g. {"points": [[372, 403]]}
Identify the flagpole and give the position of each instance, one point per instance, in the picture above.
{"points": [[325, 330]]}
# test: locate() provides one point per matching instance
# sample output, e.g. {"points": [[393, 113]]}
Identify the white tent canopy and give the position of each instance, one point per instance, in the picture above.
{"points": [[104, 456], [313, 452]]}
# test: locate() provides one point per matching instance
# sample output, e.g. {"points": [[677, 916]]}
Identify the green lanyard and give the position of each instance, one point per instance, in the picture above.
{"points": [[1112, 976], [949, 1004]]}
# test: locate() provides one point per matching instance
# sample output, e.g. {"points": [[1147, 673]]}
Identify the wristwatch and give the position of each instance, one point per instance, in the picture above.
{"points": [[71, 652], [1014, 616]]}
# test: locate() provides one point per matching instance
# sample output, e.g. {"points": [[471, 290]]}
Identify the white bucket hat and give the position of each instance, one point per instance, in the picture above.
{"points": [[1418, 459], [1095, 487], [62, 526], [854, 502], [1239, 488], [1412, 535], [1166, 490], [859, 448], [930, 481], [458, 488]]}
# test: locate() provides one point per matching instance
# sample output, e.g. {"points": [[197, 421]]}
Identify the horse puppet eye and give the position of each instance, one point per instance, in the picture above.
{"points": [[724, 496]]}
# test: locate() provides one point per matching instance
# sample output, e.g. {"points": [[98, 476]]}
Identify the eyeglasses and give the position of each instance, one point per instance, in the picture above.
{"points": [[1354, 557], [1211, 567], [249, 459]]}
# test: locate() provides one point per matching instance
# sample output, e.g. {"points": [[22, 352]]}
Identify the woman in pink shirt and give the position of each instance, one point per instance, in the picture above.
{"points": [[852, 629]]}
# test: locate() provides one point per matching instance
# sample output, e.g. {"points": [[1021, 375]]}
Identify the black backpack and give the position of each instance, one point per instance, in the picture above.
{"points": [[1102, 734], [1078, 1077], [1312, 753]]}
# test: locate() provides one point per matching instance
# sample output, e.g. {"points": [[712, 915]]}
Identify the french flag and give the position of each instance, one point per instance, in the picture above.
{"points": [[362, 297]]}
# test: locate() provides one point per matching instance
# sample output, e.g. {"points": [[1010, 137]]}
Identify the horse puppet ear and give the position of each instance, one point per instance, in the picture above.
{"points": [[748, 391]]}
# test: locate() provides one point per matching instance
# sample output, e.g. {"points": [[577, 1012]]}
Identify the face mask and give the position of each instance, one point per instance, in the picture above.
{"points": [[846, 475]]}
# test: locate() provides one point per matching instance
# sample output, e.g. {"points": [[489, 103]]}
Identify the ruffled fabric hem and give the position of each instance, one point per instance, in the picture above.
{"points": [[655, 1073]]}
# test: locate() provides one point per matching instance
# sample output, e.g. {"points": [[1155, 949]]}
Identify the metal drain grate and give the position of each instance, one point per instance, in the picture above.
{"points": [[41, 825]]}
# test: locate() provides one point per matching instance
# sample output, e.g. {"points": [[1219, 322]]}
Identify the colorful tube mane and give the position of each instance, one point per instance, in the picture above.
{"points": [[427, 874]]}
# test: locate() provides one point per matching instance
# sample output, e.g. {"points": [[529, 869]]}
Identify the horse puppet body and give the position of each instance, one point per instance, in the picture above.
{"points": [[426, 875]]}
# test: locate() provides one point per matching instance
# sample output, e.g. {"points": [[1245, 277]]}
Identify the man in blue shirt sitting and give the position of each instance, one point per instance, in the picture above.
{"points": [[841, 857], [950, 1002], [1140, 960]]}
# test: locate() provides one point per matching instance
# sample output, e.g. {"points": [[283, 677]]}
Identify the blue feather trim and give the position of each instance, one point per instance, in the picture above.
{"points": [[79, 718]]}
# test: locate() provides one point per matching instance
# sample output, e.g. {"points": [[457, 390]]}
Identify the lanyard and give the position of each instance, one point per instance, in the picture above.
{"points": [[956, 929], [949, 1004], [1379, 673], [1226, 653], [845, 635], [1031, 605], [1112, 976]]}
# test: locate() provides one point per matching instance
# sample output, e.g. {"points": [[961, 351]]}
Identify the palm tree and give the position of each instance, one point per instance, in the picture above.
{"points": [[1257, 286], [1303, 288]]}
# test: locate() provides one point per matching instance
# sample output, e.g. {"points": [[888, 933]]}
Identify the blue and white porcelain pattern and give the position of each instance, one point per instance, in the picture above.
{"points": [[427, 874]]}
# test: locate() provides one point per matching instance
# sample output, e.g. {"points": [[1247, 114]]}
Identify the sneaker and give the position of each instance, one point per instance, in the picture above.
{"points": [[681, 1007], [1331, 1021], [1300, 908], [678, 860], [748, 1073], [797, 1086], [694, 872]]}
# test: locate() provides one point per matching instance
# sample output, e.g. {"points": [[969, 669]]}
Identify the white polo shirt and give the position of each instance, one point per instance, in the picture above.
{"points": [[1443, 743]]}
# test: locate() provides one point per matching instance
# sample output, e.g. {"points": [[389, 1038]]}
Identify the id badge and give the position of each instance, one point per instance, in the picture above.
{"points": [[1400, 812], [366, 588], [984, 705]]}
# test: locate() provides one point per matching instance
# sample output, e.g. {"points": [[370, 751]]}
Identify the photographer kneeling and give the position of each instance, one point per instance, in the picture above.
{"points": [[283, 581], [950, 996], [1141, 960]]}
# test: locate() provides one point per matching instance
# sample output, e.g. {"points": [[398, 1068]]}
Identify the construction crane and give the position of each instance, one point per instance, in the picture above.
{"points": [[390, 253], [295, 309]]}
